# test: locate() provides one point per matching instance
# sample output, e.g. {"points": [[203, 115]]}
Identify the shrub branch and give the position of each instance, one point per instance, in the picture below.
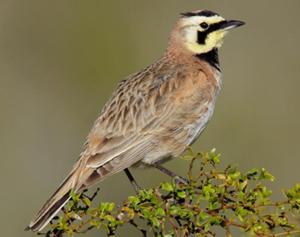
{"points": [[214, 198]]}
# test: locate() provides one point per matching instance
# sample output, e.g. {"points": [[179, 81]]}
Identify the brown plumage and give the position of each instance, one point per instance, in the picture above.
{"points": [[153, 114]]}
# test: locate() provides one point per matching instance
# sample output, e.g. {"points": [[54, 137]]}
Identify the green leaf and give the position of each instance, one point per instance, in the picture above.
{"points": [[155, 222], [167, 187], [265, 175], [159, 212], [181, 194], [107, 206], [86, 201], [252, 173]]}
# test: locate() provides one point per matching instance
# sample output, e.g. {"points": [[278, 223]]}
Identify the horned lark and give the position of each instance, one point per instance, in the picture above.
{"points": [[154, 114]]}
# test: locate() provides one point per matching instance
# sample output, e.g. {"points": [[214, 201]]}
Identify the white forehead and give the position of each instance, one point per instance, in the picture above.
{"points": [[196, 20]]}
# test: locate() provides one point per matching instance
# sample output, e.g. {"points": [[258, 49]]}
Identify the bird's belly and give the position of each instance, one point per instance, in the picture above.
{"points": [[196, 128], [192, 130]]}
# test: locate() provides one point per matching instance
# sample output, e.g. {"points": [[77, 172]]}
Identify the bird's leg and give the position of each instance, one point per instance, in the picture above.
{"points": [[134, 184], [93, 196], [170, 173]]}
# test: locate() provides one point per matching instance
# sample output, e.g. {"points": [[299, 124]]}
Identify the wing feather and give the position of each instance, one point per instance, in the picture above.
{"points": [[144, 107], [130, 120]]}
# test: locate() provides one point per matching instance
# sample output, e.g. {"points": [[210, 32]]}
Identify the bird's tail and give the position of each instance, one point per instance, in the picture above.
{"points": [[53, 205]]}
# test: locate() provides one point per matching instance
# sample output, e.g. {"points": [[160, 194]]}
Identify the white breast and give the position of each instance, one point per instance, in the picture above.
{"points": [[196, 128]]}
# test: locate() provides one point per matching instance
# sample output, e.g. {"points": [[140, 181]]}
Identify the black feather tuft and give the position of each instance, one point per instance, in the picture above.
{"points": [[211, 57], [206, 13]]}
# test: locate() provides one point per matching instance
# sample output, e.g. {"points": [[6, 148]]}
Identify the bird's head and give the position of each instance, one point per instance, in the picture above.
{"points": [[201, 31]]}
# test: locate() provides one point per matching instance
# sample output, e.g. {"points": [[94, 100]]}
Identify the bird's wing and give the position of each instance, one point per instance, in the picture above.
{"points": [[157, 102], [139, 106]]}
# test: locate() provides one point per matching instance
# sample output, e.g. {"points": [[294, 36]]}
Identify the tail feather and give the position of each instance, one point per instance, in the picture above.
{"points": [[43, 220], [52, 206], [79, 179]]}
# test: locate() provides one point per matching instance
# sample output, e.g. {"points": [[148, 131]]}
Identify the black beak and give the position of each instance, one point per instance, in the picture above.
{"points": [[230, 24]]}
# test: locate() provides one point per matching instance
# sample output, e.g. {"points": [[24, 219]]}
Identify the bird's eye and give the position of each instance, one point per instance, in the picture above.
{"points": [[204, 25]]}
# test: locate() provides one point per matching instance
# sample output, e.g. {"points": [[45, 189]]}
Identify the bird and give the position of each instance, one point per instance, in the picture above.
{"points": [[153, 115]]}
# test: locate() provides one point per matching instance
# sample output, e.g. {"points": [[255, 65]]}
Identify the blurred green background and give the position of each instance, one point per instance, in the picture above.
{"points": [[61, 60]]}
